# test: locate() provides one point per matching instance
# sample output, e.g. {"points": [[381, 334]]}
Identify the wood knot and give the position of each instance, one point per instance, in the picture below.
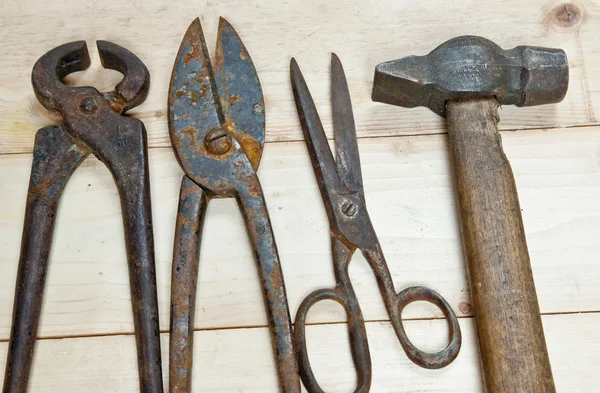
{"points": [[465, 308], [565, 16]]}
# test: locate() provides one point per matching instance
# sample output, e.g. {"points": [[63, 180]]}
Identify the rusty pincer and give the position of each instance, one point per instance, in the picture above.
{"points": [[93, 123]]}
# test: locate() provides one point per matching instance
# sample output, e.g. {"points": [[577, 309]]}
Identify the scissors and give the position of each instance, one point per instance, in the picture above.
{"points": [[340, 184], [93, 123], [217, 127]]}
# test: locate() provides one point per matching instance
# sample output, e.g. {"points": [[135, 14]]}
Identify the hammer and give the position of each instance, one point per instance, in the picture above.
{"points": [[465, 80]]}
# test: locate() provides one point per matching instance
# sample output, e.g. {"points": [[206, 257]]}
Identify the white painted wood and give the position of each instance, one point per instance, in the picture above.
{"points": [[362, 33], [240, 360], [410, 199]]}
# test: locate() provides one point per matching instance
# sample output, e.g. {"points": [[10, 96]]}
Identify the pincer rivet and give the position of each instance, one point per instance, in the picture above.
{"points": [[88, 105]]}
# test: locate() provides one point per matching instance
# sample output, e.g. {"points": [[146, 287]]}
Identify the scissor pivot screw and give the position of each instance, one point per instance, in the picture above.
{"points": [[348, 208], [218, 141], [88, 105]]}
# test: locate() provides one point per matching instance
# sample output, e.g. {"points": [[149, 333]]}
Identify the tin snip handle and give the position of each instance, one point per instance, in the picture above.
{"points": [[258, 225], [184, 279], [188, 234]]}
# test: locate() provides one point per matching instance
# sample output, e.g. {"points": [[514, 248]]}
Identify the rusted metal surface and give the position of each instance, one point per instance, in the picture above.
{"points": [[340, 183], [217, 125], [93, 123], [472, 66], [184, 278]]}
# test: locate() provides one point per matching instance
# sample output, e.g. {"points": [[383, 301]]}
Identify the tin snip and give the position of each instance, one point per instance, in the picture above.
{"points": [[341, 186], [217, 127]]}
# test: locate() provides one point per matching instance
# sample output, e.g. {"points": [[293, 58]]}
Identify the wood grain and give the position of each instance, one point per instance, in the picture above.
{"points": [[510, 334], [408, 183], [410, 197], [240, 360], [362, 33]]}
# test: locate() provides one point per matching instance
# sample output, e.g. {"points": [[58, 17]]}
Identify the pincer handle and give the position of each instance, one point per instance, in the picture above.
{"points": [[126, 156], [55, 157]]}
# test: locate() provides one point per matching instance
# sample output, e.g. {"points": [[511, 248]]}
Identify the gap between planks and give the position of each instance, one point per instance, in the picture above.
{"points": [[465, 317], [558, 126]]}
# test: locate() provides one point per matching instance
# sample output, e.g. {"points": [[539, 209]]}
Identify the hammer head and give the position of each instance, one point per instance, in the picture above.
{"points": [[472, 66]]}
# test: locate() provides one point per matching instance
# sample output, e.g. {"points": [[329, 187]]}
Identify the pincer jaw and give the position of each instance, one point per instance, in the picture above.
{"points": [[65, 59], [133, 88], [52, 67]]}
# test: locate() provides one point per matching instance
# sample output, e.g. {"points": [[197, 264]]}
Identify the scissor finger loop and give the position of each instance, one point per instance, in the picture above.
{"points": [[309, 301], [424, 359], [359, 345]]}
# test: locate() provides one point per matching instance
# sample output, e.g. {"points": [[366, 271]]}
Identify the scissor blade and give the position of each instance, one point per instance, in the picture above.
{"points": [[194, 107], [316, 141], [346, 147], [240, 92]]}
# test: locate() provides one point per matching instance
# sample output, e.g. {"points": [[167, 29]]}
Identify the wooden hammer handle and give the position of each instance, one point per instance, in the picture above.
{"points": [[512, 347]]}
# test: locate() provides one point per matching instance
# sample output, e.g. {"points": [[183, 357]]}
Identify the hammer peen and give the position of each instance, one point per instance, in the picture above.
{"points": [[465, 80]]}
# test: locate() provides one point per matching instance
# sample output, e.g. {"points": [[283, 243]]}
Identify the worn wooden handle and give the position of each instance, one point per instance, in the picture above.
{"points": [[512, 347]]}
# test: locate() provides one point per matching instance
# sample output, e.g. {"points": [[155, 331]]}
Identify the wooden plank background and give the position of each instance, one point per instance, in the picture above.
{"points": [[86, 329]]}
